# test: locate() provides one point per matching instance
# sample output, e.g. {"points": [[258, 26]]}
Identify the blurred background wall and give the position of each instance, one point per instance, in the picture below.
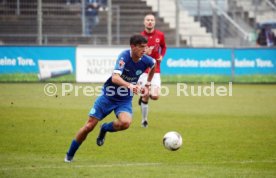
{"points": [[186, 23]]}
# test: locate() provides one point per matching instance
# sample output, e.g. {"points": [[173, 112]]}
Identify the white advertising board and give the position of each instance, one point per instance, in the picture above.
{"points": [[95, 64], [53, 68]]}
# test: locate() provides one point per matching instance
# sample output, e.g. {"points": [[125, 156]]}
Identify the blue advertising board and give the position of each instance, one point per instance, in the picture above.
{"points": [[219, 61], [255, 61], [24, 59], [197, 61], [177, 61]]}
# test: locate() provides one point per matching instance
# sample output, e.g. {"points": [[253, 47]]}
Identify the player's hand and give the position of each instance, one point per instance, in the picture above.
{"points": [[134, 88], [160, 58], [145, 91]]}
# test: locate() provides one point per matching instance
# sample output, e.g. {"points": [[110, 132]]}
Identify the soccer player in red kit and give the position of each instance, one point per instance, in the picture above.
{"points": [[156, 48]]}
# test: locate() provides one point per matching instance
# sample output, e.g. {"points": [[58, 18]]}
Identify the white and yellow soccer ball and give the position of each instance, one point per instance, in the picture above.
{"points": [[172, 140]]}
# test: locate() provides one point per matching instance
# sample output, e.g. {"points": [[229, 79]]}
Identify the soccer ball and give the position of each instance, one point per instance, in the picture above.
{"points": [[172, 141]]}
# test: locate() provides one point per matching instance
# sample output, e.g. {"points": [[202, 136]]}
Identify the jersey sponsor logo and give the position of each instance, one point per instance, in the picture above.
{"points": [[138, 72], [121, 64], [128, 78]]}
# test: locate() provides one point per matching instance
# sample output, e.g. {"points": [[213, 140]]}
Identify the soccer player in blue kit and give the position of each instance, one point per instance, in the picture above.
{"points": [[117, 94]]}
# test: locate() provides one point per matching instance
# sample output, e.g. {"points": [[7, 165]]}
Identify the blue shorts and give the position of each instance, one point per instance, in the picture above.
{"points": [[104, 106]]}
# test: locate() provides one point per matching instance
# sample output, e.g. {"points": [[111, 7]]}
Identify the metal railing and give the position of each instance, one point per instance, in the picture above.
{"points": [[214, 16], [230, 28], [55, 22], [49, 19]]}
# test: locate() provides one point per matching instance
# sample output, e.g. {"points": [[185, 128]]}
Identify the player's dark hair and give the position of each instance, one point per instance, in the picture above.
{"points": [[150, 13], [137, 39]]}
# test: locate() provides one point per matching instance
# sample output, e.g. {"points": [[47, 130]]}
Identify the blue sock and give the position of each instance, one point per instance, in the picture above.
{"points": [[108, 127], [73, 148]]}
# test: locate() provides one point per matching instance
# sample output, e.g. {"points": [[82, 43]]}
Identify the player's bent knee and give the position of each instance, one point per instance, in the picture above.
{"points": [[124, 125], [154, 97]]}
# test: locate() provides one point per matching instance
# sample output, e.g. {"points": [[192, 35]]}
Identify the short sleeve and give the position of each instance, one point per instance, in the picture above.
{"points": [[151, 62], [120, 64]]}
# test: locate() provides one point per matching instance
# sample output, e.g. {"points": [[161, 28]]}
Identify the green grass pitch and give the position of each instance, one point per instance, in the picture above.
{"points": [[231, 136]]}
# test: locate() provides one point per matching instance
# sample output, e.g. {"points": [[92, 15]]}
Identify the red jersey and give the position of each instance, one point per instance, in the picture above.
{"points": [[156, 41]]}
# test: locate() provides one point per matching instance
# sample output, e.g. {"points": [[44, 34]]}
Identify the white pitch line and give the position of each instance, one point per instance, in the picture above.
{"points": [[229, 162], [71, 165], [252, 161]]}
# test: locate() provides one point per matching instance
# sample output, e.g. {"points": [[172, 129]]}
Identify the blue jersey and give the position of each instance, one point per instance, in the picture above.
{"points": [[130, 71]]}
